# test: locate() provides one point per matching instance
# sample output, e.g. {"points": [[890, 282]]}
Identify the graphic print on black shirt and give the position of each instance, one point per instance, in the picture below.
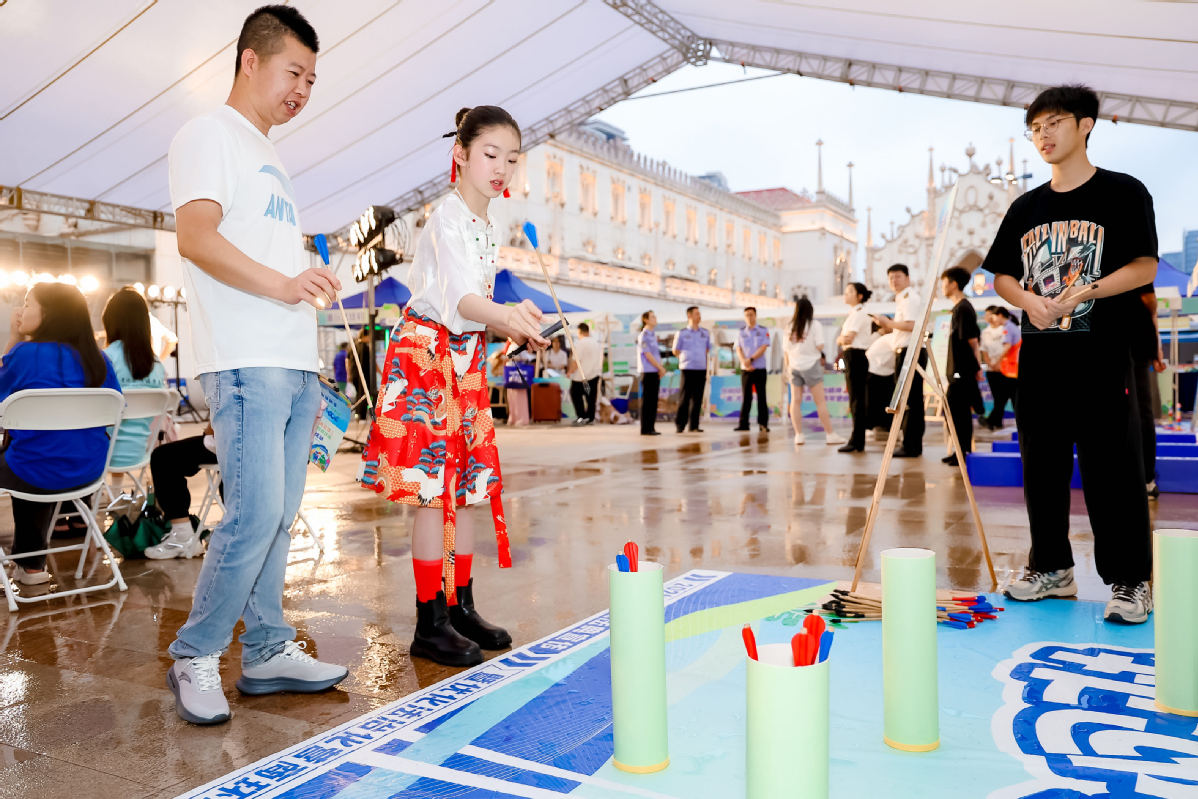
{"points": [[1063, 254]]}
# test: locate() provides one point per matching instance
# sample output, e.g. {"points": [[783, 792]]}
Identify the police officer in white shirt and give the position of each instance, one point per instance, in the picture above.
{"points": [[906, 311], [855, 337]]}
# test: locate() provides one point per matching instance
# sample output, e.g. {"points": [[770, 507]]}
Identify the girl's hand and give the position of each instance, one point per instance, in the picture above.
{"points": [[523, 323]]}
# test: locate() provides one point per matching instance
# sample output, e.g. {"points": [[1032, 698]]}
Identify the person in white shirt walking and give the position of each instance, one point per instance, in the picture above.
{"points": [[803, 364], [253, 322], [586, 364]]}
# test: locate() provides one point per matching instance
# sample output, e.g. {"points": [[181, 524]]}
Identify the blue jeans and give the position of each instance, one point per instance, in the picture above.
{"points": [[262, 420]]}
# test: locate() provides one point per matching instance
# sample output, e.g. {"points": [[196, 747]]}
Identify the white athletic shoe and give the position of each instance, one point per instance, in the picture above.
{"points": [[30, 578], [180, 542], [835, 439], [199, 697], [292, 669], [799, 440], [1129, 604], [1033, 585]]}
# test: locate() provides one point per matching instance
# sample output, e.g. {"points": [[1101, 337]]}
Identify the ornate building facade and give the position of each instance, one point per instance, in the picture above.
{"points": [[985, 194]]}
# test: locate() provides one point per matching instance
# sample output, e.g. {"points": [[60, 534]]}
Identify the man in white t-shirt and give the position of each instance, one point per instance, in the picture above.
{"points": [[906, 312], [252, 299], [586, 364]]}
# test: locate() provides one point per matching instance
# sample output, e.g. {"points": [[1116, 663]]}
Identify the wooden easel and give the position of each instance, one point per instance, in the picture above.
{"points": [[918, 343]]}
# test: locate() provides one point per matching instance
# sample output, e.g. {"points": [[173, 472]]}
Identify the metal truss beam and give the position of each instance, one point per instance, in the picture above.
{"points": [[993, 91], [656, 21], [16, 198], [578, 111]]}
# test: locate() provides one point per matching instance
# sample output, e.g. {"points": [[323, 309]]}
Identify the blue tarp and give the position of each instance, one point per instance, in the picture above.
{"points": [[1167, 274], [389, 291], [511, 289]]}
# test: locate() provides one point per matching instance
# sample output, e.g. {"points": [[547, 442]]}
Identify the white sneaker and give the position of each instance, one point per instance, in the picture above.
{"points": [[292, 669], [30, 578], [835, 439], [199, 697], [799, 440], [1129, 604], [180, 542], [1033, 585]]}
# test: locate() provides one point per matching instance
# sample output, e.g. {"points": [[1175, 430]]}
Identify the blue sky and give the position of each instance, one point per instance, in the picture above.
{"points": [[762, 134]]}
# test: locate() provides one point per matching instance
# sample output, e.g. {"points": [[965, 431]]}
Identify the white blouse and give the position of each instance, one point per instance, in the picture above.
{"points": [[858, 322], [804, 354], [455, 256]]}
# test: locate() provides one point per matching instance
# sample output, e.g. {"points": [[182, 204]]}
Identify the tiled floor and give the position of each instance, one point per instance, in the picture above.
{"points": [[84, 711]]}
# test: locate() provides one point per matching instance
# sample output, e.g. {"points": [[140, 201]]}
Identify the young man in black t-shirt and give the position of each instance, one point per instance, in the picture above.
{"points": [[1072, 254], [964, 367]]}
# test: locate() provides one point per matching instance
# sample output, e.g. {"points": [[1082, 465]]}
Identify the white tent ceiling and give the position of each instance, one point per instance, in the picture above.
{"points": [[93, 92]]}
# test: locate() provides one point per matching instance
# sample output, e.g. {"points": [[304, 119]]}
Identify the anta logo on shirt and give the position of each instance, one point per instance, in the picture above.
{"points": [[1063, 254], [282, 209]]}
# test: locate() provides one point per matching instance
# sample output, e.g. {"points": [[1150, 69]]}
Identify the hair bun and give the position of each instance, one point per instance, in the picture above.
{"points": [[459, 116]]}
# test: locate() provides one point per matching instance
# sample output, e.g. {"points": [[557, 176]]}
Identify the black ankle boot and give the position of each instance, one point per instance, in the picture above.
{"points": [[467, 622], [436, 638]]}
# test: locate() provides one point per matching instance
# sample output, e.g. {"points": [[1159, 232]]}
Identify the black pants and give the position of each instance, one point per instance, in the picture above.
{"points": [[1003, 388], [856, 378], [964, 397], [753, 380], [1144, 378], [650, 385], [690, 400], [31, 520], [583, 395], [877, 394], [170, 466], [913, 421], [1092, 405]]}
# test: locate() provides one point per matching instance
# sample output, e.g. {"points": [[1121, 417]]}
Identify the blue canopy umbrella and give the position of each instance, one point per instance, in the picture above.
{"points": [[389, 291], [1169, 275], [511, 289]]}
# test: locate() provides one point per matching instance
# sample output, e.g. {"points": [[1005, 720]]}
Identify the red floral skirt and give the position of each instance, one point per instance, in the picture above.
{"points": [[432, 443]]}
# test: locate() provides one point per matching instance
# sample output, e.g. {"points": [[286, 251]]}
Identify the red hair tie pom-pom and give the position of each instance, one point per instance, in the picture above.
{"points": [[453, 171]]}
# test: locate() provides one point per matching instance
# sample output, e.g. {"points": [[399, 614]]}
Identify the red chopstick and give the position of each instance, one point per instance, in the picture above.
{"points": [[798, 648], [746, 633], [632, 552]]}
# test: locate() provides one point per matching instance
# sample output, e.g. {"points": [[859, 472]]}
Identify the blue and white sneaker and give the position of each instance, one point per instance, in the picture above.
{"points": [[1033, 585], [291, 669]]}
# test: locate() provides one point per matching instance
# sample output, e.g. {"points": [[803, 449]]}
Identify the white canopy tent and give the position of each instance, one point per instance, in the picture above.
{"points": [[93, 92]]}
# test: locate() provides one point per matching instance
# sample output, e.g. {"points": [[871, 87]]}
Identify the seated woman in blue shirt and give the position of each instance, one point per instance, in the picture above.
{"points": [[126, 320], [50, 345]]}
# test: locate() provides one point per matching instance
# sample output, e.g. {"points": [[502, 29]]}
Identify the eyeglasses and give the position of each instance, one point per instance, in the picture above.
{"points": [[1050, 126]]}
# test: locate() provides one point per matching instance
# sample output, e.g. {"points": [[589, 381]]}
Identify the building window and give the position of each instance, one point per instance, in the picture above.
{"points": [[667, 214], [670, 265], [589, 246], [764, 287], [761, 255], [730, 237], [619, 252], [712, 241], [692, 270], [618, 213], [554, 191], [647, 261], [713, 277], [646, 211], [692, 226], [586, 192], [777, 252], [747, 247], [777, 291], [748, 285]]}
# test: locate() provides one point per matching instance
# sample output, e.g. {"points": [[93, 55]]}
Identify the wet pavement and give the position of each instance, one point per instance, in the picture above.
{"points": [[84, 711]]}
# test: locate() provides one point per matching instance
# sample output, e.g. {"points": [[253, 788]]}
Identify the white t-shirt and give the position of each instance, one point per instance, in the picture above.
{"points": [[557, 359], [906, 309], [858, 322], [802, 355], [994, 341], [221, 156], [455, 256], [589, 355]]}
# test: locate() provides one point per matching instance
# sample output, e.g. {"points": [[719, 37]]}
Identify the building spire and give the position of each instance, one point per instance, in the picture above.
{"points": [[850, 184], [819, 160], [1011, 160], [869, 229], [931, 169]]}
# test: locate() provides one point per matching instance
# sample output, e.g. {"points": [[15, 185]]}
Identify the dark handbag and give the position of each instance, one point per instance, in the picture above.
{"points": [[131, 536]]}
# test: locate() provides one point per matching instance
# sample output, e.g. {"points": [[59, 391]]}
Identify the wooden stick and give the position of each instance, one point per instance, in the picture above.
{"points": [[558, 305]]}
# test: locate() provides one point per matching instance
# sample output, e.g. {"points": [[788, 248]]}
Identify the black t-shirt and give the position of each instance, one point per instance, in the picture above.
{"points": [[961, 359], [1143, 330], [1093, 230]]}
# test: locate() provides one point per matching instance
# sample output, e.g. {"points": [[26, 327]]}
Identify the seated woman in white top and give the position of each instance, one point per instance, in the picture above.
{"points": [[803, 362], [126, 320], [556, 357]]}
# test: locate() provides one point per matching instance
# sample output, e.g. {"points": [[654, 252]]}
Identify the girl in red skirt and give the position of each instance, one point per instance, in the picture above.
{"points": [[432, 444]]}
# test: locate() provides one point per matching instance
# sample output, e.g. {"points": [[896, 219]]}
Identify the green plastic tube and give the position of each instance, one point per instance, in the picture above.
{"points": [[638, 669], [786, 721], [910, 697], [1175, 608]]}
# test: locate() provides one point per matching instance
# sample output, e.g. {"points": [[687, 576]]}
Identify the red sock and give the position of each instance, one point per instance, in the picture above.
{"points": [[428, 579], [461, 569]]}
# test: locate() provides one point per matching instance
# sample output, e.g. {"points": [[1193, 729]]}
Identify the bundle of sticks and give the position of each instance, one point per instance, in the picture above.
{"points": [[961, 612]]}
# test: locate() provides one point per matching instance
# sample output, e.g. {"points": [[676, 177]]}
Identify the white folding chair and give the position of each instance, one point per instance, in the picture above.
{"points": [[211, 499], [142, 403], [65, 409]]}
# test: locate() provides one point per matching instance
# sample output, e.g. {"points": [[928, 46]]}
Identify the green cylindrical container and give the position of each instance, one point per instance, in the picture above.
{"points": [[911, 706], [1175, 607], [786, 720], [638, 669]]}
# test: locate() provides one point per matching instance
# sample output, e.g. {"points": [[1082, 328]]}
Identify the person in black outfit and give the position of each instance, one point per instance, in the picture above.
{"points": [[964, 363], [650, 368], [368, 367], [1073, 253], [855, 337], [1148, 358]]}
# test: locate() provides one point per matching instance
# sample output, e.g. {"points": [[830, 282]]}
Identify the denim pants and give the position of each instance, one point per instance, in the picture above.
{"points": [[262, 419]]}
